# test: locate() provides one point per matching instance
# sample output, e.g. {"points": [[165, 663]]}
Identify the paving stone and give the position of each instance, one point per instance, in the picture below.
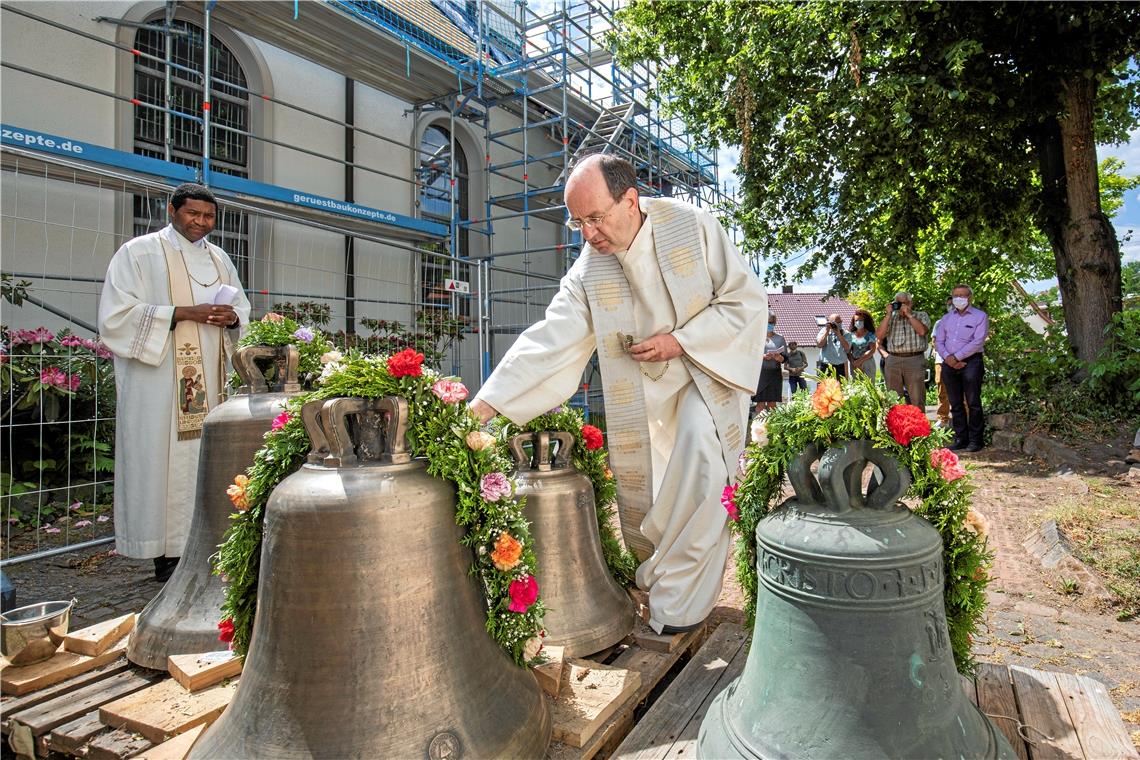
{"points": [[1038, 610]]}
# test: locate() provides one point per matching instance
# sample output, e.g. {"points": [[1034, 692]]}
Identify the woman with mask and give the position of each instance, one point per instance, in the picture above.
{"points": [[770, 389], [863, 343]]}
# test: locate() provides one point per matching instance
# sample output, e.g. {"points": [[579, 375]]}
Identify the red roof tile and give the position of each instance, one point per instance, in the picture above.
{"points": [[796, 313]]}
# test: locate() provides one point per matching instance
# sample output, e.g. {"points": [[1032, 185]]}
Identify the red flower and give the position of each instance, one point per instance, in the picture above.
{"points": [[523, 593], [592, 436], [406, 363], [905, 422], [280, 421], [728, 499], [227, 630]]}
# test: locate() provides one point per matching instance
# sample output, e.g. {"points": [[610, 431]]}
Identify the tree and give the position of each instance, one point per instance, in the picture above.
{"points": [[871, 129]]}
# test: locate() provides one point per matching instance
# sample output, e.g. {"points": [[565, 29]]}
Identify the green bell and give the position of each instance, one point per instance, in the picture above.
{"points": [[850, 654]]}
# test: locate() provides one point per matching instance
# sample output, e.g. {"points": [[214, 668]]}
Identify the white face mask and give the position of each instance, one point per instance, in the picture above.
{"points": [[858, 324], [961, 303]]}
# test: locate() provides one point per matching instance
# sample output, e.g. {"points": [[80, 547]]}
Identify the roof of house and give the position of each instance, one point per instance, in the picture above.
{"points": [[796, 313]]}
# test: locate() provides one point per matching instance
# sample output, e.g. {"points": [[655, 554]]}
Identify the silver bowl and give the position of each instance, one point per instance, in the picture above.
{"points": [[33, 633]]}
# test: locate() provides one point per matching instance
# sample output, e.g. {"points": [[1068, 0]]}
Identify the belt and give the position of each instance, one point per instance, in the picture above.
{"points": [[903, 356]]}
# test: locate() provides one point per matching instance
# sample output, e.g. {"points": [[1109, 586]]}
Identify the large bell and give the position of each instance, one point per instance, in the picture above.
{"points": [[183, 617], [586, 610], [369, 639], [850, 655]]}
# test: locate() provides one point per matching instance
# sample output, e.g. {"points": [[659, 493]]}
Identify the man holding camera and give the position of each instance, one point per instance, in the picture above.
{"points": [[835, 342], [904, 333]]}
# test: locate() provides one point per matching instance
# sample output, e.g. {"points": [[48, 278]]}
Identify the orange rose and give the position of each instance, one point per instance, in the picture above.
{"points": [[827, 397], [273, 317], [236, 492], [507, 552]]}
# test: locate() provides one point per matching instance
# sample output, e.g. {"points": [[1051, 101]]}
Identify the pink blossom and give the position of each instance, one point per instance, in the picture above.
{"points": [[728, 499], [74, 381], [82, 523], [54, 376], [494, 486], [947, 464], [76, 505], [39, 335], [523, 593], [449, 391], [280, 421], [71, 341], [102, 518], [51, 530]]}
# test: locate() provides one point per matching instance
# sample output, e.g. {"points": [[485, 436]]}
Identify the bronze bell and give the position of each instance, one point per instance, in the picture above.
{"points": [[183, 617], [586, 610], [850, 654], [369, 639]]}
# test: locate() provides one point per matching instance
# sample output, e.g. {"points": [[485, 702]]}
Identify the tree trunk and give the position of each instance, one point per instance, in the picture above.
{"points": [[1084, 242]]}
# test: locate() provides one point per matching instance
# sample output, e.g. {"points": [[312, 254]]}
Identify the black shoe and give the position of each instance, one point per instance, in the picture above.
{"points": [[974, 447], [669, 630], [164, 567], [957, 446]]}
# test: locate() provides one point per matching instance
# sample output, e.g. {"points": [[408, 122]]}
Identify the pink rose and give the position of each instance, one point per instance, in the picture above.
{"points": [[947, 464], [523, 594], [728, 499], [494, 486], [280, 421], [449, 391]]}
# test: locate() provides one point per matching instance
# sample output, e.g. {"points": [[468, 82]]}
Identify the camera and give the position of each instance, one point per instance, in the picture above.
{"points": [[895, 305]]}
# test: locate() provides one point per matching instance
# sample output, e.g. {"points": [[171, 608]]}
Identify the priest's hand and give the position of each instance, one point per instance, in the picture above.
{"points": [[659, 348], [217, 315], [484, 411]]}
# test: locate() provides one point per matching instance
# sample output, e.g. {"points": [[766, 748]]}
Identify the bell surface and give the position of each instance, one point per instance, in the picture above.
{"points": [[369, 638], [183, 617], [850, 655], [586, 609]]}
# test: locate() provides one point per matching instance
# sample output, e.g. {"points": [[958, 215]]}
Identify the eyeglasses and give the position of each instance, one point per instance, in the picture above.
{"points": [[590, 221]]}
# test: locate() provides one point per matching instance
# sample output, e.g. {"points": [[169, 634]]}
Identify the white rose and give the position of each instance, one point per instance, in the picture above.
{"points": [[532, 647], [760, 431], [477, 440], [331, 356]]}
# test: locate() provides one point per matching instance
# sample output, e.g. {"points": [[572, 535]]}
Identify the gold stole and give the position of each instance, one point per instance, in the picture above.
{"points": [[191, 401], [681, 256]]}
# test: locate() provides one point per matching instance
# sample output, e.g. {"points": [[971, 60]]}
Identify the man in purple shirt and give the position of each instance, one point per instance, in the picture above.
{"points": [[958, 339]]}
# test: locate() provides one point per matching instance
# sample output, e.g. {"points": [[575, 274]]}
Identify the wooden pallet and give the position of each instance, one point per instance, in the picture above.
{"points": [[1064, 716]]}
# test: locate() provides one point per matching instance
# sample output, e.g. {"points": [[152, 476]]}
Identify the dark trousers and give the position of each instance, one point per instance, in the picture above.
{"points": [[795, 382], [834, 370], [964, 387]]}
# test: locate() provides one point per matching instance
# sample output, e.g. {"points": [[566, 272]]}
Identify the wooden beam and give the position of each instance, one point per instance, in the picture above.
{"points": [[1045, 714], [96, 639], [21, 679], [590, 693], [166, 709], [997, 702]]}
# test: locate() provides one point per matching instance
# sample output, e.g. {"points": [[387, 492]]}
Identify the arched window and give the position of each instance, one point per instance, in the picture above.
{"points": [[434, 175], [229, 107]]}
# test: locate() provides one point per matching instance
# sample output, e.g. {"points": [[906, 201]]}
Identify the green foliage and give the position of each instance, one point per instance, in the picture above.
{"points": [[786, 432], [311, 313], [433, 334], [13, 291], [437, 431], [591, 463], [278, 330]]}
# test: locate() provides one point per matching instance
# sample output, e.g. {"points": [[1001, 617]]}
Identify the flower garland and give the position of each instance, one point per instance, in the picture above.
{"points": [[442, 429], [276, 330], [590, 458], [853, 409]]}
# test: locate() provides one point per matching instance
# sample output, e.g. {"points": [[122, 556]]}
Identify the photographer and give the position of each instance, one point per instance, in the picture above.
{"points": [[905, 334], [835, 342]]}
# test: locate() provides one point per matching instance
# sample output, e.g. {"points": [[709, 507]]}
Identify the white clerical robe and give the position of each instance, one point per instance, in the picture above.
{"points": [[155, 473], [686, 523]]}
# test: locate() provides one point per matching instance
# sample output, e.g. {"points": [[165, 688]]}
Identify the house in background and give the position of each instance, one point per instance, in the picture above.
{"points": [[796, 319]]}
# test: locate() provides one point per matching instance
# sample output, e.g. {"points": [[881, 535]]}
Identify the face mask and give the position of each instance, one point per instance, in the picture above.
{"points": [[961, 303], [858, 324], [771, 329]]}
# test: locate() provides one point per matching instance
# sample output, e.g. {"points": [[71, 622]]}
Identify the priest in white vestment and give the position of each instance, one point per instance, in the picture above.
{"points": [[171, 341], [677, 318]]}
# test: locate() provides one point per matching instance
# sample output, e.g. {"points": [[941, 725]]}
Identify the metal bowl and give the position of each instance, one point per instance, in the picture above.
{"points": [[33, 633]]}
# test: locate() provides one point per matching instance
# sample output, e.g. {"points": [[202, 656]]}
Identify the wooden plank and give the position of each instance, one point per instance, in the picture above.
{"points": [[969, 688], [67, 707], [997, 702], [69, 737], [176, 748], [1045, 714], [660, 729], [166, 709], [94, 640], [655, 642], [1100, 728], [116, 745], [197, 671], [20, 680], [549, 673], [591, 692], [14, 705]]}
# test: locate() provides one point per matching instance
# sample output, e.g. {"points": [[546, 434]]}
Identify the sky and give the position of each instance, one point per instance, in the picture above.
{"points": [[1127, 218]]}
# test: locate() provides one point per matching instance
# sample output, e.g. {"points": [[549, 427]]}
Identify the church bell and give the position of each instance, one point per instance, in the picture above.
{"points": [[369, 638], [183, 617], [586, 610], [850, 654]]}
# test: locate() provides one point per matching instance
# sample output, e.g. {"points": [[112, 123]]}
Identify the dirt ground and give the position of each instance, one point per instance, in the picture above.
{"points": [[1033, 618]]}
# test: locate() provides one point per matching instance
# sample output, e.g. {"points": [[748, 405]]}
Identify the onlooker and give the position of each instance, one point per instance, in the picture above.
{"points": [[943, 399], [862, 351], [796, 364], [835, 342], [770, 388], [906, 334], [959, 340]]}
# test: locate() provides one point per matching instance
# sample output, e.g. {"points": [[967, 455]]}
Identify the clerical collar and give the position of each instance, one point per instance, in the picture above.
{"points": [[643, 240], [182, 241]]}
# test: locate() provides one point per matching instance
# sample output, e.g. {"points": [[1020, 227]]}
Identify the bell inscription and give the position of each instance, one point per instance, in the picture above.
{"points": [[851, 583]]}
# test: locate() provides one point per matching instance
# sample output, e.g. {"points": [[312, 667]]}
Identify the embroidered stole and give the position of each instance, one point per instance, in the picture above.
{"points": [[677, 241], [191, 402]]}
